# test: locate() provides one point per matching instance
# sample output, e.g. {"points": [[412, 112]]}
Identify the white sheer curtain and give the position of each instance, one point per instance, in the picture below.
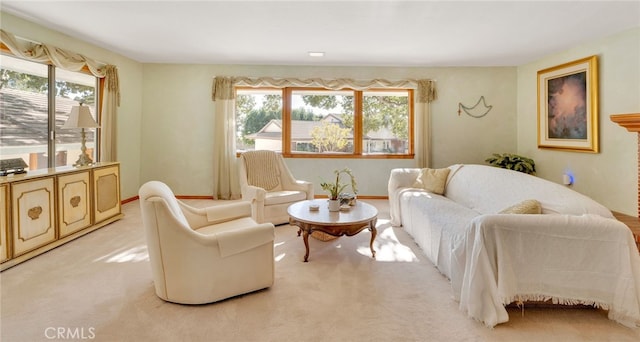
{"points": [[426, 94], [225, 173], [68, 60]]}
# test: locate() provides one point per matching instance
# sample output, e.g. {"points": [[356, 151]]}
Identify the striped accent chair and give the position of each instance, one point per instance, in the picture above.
{"points": [[268, 184]]}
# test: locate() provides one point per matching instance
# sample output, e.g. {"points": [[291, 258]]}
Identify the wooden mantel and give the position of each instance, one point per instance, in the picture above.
{"points": [[629, 121]]}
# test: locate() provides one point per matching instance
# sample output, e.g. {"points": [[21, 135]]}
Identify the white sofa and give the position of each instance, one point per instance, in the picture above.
{"points": [[575, 252]]}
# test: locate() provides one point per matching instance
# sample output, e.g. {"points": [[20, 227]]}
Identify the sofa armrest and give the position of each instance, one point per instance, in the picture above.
{"points": [[398, 180]]}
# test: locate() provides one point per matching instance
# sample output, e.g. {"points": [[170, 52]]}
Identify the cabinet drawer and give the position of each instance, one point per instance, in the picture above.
{"points": [[74, 207], [33, 213]]}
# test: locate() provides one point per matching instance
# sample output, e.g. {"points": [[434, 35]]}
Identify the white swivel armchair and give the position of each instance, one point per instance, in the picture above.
{"points": [[203, 255], [268, 184]]}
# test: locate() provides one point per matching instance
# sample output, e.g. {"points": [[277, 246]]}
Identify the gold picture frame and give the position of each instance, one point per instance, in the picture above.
{"points": [[568, 106]]}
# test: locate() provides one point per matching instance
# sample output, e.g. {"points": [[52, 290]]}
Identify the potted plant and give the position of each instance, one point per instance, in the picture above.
{"points": [[336, 188], [513, 162]]}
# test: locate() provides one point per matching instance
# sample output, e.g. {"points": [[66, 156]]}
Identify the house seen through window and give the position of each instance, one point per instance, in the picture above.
{"points": [[329, 123]]}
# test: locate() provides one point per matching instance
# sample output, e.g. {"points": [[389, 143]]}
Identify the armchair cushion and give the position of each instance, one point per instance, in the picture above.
{"points": [[279, 197]]}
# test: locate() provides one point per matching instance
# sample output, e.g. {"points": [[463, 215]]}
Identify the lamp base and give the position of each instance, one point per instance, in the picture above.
{"points": [[83, 160]]}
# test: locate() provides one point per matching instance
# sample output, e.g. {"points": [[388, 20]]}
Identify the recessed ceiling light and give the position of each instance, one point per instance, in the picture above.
{"points": [[316, 54]]}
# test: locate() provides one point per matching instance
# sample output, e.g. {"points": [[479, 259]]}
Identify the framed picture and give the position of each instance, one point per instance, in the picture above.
{"points": [[568, 106]]}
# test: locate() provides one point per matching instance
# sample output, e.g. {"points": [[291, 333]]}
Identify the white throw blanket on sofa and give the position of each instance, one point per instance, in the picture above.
{"points": [[574, 253], [502, 259]]}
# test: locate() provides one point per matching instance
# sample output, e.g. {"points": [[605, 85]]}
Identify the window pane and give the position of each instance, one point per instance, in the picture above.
{"points": [[258, 119], [385, 122], [322, 121], [72, 88], [23, 111]]}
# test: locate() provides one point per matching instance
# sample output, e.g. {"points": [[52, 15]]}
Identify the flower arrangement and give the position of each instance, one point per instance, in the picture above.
{"points": [[336, 188]]}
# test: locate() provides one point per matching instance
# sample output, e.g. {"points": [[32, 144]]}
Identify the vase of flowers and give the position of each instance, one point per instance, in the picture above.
{"points": [[335, 188]]}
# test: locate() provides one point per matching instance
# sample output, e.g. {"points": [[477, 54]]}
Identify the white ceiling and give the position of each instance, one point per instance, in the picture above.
{"points": [[367, 33]]}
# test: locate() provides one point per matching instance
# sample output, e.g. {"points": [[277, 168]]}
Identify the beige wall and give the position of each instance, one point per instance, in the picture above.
{"points": [[129, 112], [610, 176], [165, 120], [177, 122]]}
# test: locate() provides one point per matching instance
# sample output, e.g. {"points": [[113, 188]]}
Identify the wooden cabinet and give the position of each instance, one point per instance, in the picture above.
{"points": [[46, 208], [4, 214]]}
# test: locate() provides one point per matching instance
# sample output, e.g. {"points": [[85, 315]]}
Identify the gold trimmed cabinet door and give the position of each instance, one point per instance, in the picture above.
{"points": [[74, 203], [106, 192], [33, 214], [4, 228]]}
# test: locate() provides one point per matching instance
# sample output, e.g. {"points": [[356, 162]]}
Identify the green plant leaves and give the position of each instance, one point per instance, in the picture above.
{"points": [[513, 162]]}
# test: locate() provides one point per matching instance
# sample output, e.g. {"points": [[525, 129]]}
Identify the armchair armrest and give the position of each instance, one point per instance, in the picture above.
{"points": [[253, 193], [304, 186], [200, 217], [237, 241], [228, 212]]}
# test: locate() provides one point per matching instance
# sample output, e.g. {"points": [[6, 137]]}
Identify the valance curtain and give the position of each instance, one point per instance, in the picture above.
{"points": [[225, 172], [68, 60]]}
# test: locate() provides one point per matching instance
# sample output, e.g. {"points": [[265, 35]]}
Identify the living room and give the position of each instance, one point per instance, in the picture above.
{"points": [[165, 119]]}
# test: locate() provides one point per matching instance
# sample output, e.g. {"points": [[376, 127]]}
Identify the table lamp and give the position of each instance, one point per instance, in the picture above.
{"points": [[80, 117]]}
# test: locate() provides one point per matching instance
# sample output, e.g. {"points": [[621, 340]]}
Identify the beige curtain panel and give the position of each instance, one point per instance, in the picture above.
{"points": [[68, 60]]}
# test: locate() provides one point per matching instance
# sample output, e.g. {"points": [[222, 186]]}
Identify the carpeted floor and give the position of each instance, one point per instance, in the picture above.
{"points": [[99, 287]]}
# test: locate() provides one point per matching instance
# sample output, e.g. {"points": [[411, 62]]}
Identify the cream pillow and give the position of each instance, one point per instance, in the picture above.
{"points": [[529, 206], [432, 180]]}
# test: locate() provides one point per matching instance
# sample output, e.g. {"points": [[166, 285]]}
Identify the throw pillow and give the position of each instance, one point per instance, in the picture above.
{"points": [[432, 180], [529, 206]]}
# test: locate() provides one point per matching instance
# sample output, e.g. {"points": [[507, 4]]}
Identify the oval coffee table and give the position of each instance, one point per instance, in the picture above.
{"points": [[344, 222]]}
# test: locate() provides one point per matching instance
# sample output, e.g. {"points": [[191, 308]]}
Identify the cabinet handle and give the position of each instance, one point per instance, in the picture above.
{"points": [[34, 213], [74, 201]]}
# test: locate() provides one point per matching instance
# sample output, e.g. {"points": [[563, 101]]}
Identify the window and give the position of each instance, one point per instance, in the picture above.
{"points": [[27, 116], [303, 122]]}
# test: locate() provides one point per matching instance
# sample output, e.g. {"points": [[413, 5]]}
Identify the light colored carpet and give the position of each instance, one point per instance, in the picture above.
{"points": [[99, 287]]}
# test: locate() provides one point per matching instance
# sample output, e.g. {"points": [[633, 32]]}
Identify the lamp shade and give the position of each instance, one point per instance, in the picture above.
{"points": [[80, 117]]}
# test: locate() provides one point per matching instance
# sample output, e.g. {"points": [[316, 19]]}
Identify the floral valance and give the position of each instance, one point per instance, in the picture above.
{"points": [[61, 58], [223, 86]]}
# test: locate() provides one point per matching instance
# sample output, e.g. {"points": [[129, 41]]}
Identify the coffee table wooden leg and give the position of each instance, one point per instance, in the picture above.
{"points": [[305, 237], [374, 232]]}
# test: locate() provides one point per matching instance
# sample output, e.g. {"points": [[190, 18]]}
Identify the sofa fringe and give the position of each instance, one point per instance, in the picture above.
{"points": [[520, 299]]}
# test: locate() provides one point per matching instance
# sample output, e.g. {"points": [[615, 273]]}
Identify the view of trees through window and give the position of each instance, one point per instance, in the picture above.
{"points": [[25, 114], [324, 121]]}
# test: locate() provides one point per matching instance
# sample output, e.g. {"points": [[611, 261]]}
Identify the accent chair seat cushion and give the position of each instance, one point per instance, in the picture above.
{"points": [[284, 196]]}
